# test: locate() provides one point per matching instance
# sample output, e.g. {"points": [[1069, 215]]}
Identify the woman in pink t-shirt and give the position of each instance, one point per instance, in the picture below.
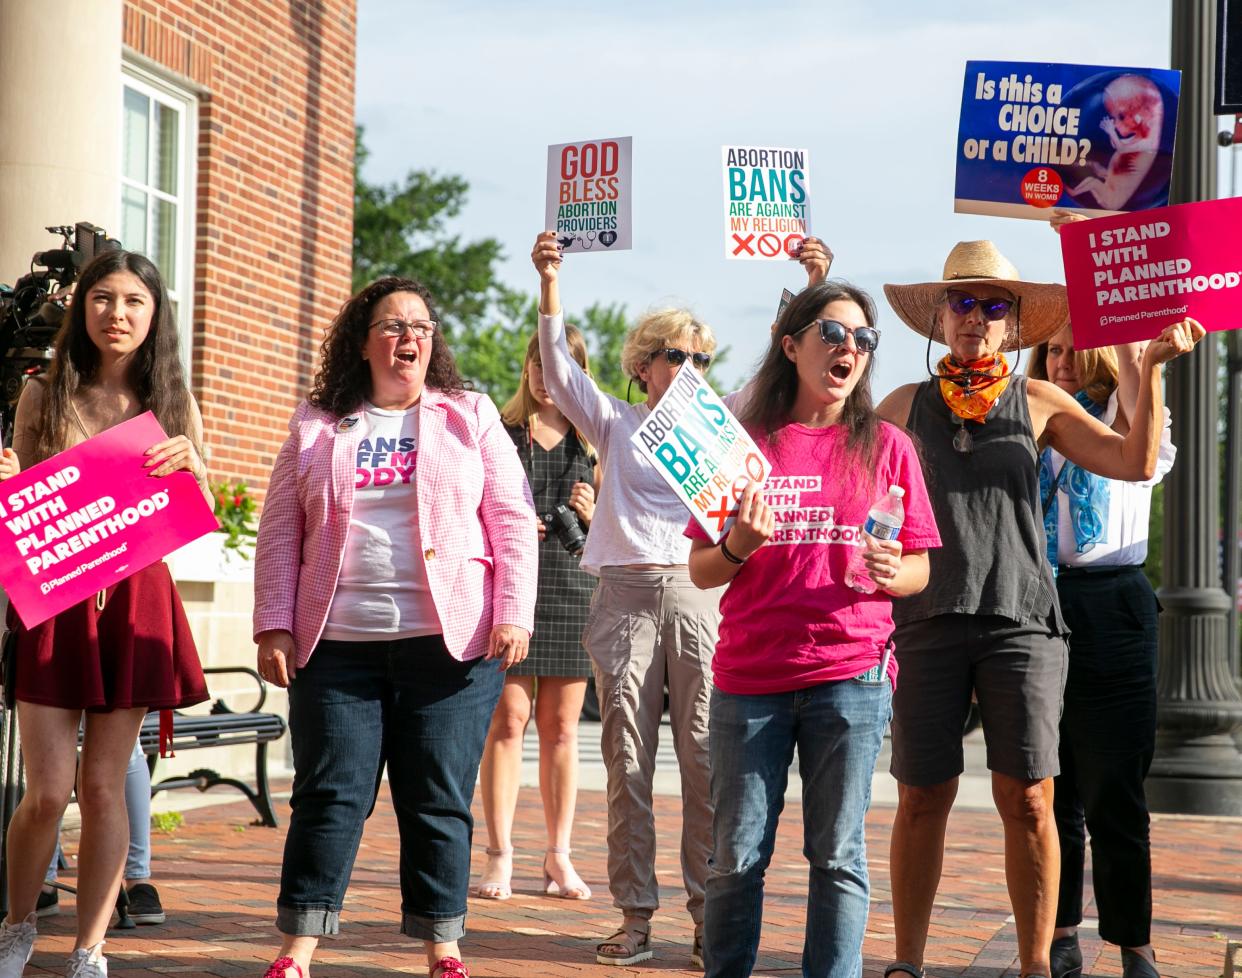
{"points": [[803, 661]]}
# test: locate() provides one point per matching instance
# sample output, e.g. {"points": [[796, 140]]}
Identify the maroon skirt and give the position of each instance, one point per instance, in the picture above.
{"points": [[137, 651]]}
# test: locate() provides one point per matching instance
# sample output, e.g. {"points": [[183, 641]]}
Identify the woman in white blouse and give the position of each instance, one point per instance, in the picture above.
{"points": [[1097, 540]]}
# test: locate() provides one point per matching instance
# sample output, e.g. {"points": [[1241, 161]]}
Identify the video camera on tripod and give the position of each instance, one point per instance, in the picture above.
{"points": [[31, 311]]}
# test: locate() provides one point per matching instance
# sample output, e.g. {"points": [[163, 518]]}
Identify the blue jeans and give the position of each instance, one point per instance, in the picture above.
{"points": [[837, 729], [354, 708]]}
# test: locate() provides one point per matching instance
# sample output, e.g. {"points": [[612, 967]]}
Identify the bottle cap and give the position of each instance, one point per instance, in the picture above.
{"points": [[897, 491]]}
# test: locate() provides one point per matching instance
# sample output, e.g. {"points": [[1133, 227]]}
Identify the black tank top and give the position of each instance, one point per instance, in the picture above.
{"points": [[992, 559]]}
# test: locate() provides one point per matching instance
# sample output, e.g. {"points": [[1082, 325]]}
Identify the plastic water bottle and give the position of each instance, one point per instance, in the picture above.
{"points": [[883, 523]]}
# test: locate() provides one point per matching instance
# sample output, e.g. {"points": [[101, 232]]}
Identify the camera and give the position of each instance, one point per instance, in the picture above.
{"points": [[563, 521], [30, 316]]}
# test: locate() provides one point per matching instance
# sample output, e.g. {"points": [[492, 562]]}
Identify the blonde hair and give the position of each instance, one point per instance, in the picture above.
{"points": [[522, 407], [661, 329], [1096, 369]]}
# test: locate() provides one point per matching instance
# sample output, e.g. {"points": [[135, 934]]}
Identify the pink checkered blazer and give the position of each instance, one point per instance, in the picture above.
{"points": [[477, 525]]}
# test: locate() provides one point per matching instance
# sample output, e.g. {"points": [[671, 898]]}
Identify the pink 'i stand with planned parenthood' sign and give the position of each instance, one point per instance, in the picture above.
{"points": [[91, 516], [1131, 275]]}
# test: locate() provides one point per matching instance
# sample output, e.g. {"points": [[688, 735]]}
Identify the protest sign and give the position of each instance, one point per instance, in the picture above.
{"points": [[1131, 275], [767, 196], [589, 194], [698, 447], [91, 516], [1035, 136], [786, 298]]}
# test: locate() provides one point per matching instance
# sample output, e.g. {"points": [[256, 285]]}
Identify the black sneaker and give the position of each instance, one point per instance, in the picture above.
{"points": [[144, 904], [48, 904]]}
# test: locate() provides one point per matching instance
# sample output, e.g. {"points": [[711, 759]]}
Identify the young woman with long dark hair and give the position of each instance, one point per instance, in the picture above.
{"points": [[124, 651], [803, 661]]}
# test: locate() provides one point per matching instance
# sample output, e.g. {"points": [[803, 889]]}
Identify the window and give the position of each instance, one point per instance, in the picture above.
{"points": [[157, 185]]}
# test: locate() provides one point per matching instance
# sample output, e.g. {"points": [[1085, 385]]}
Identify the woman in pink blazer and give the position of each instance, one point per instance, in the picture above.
{"points": [[394, 582]]}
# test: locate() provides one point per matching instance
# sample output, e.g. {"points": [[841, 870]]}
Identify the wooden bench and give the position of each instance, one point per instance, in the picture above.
{"points": [[222, 727]]}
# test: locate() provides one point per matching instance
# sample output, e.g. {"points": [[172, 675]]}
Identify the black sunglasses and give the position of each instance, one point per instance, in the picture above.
{"points": [[833, 333], [994, 308], [677, 357]]}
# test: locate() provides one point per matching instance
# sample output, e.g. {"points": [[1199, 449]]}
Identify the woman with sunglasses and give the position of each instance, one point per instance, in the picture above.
{"points": [[988, 622], [648, 622], [804, 661]]}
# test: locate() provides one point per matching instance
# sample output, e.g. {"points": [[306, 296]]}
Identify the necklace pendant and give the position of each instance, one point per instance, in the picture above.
{"points": [[962, 441]]}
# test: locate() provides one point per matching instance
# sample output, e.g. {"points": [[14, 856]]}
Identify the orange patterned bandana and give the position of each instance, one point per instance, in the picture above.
{"points": [[970, 389]]}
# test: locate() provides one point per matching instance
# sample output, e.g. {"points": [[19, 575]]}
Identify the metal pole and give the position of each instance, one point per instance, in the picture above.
{"points": [[1197, 768], [1233, 491]]}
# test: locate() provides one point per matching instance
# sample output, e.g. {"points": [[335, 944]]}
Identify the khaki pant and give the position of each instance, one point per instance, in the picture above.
{"points": [[646, 626]]}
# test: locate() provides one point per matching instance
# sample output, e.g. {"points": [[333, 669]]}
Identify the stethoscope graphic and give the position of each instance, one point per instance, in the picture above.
{"points": [[586, 242]]}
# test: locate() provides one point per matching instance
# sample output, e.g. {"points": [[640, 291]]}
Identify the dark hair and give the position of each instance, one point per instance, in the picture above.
{"points": [[343, 380], [774, 388], [155, 369]]}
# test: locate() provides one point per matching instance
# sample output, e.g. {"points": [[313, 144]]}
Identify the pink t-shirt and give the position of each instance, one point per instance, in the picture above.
{"points": [[788, 619]]}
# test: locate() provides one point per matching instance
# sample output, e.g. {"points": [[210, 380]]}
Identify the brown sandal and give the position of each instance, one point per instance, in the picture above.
{"points": [[629, 945]]}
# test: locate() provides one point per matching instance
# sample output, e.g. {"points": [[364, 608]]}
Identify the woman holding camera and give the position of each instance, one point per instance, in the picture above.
{"points": [[560, 465]]}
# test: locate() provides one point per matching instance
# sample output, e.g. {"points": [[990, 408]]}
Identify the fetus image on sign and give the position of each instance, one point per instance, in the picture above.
{"points": [[1134, 121]]}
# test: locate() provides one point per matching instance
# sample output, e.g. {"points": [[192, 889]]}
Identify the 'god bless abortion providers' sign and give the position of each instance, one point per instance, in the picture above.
{"points": [[589, 198]]}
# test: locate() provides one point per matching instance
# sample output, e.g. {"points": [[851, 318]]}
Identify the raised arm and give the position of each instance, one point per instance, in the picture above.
{"points": [[588, 408], [1082, 439]]}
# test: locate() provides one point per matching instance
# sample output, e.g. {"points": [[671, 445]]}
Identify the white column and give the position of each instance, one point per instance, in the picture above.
{"points": [[60, 122]]}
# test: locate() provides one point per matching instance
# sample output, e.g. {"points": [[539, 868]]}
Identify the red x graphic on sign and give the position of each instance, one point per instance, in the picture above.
{"points": [[743, 243], [723, 513]]}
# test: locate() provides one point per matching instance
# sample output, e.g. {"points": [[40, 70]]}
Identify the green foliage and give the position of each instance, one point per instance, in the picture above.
{"points": [[166, 822], [235, 509], [402, 229], [1154, 567]]}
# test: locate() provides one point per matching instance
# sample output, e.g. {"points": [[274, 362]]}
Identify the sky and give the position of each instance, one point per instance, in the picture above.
{"points": [[480, 88]]}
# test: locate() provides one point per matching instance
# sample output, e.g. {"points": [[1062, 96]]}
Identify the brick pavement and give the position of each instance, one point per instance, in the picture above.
{"points": [[218, 878]]}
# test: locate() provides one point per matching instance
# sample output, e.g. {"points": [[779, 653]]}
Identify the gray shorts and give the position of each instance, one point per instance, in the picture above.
{"points": [[1017, 673]]}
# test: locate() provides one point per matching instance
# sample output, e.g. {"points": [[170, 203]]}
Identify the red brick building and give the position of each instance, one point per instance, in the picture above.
{"points": [[237, 178]]}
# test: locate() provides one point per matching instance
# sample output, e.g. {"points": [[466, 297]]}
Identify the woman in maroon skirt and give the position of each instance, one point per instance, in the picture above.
{"points": [[124, 651]]}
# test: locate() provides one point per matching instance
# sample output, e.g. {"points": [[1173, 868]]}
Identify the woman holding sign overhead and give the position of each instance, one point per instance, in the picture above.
{"points": [[648, 623], [988, 622], [123, 652], [804, 659]]}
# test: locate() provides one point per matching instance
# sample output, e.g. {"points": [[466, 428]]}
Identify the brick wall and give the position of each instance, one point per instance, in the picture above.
{"points": [[274, 213]]}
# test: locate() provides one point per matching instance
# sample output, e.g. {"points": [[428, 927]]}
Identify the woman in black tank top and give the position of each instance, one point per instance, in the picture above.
{"points": [[988, 623]]}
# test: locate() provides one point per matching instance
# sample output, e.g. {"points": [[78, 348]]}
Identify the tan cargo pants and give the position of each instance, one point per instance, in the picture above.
{"points": [[647, 625]]}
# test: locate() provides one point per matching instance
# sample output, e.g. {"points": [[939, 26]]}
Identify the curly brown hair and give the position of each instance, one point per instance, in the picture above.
{"points": [[343, 380]]}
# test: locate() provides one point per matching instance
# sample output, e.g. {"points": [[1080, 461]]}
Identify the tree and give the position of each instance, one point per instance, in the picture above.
{"points": [[402, 229]]}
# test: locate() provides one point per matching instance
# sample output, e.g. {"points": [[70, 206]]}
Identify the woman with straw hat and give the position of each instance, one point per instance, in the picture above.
{"points": [[988, 622]]}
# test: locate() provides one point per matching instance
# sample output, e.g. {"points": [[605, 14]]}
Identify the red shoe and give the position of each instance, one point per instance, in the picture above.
{"points": [[449, 968], [280, 968]]}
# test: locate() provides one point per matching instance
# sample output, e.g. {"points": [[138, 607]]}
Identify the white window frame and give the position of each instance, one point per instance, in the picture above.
{"points": [[184, 102]]}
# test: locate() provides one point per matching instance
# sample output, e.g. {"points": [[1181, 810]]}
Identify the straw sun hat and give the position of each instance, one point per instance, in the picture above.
{"points": [[1042, 306]]}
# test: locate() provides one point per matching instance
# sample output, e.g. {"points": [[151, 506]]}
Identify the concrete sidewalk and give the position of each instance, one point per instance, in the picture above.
{"points": [[218, 877]]}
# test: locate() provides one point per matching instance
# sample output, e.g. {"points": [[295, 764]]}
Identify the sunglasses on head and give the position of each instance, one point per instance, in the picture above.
{"points": [[994, 308], [676, 357], [833, 333]]}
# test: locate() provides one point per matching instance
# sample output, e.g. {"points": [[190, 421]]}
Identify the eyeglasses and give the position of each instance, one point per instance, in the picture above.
{"points": [[677, 357], [994, 308], [833, 333], [394, 329]]}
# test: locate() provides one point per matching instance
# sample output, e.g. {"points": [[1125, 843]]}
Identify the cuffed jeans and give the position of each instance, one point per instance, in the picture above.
{"points": [[646, 626], [837, 729], [138, 809], [1108, 738], [354, 708]]}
